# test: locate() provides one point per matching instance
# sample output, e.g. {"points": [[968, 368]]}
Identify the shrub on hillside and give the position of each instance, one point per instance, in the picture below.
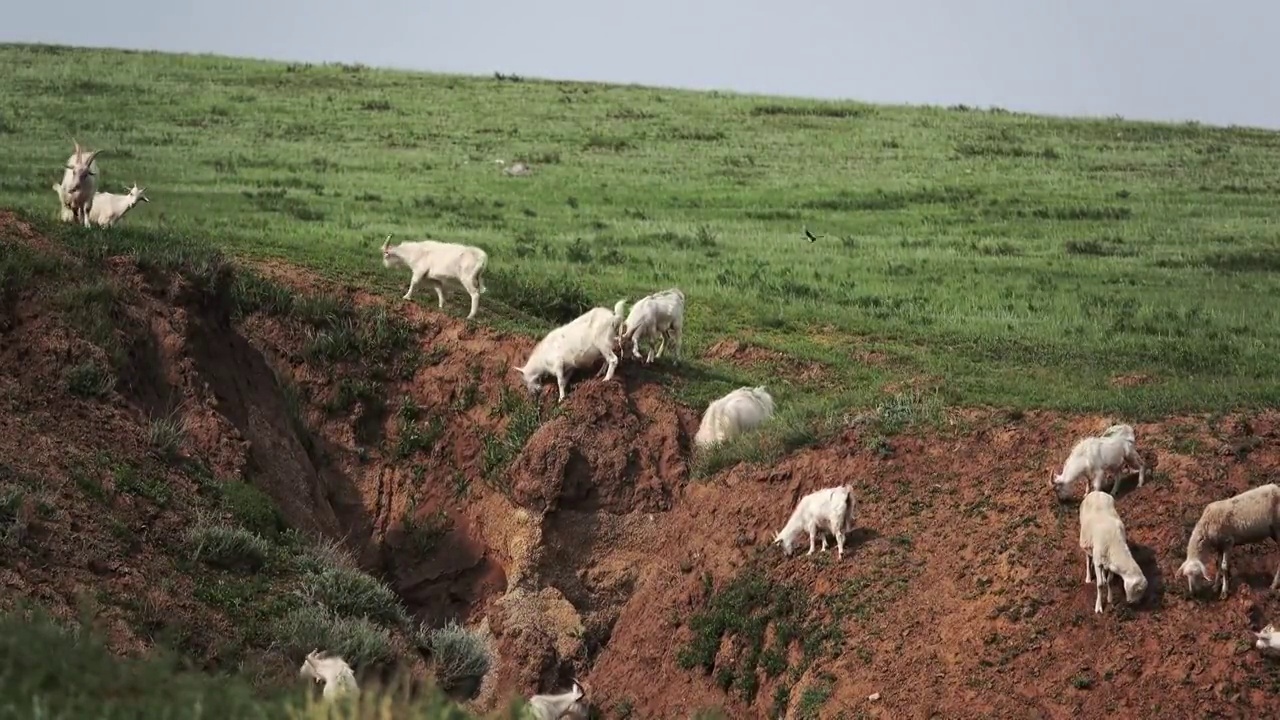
{"points": [[351, 593], [460, 656]]}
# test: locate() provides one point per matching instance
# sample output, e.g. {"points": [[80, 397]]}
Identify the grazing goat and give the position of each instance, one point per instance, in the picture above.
{"points": [[1095, 457], [578, 344], [655, 317], [78, 185], [109, 208], [334, 672], [1249, 517], [739, 411], [436, 261], [553, 707], [1268, 640], [830, 509], [1106, 550]]}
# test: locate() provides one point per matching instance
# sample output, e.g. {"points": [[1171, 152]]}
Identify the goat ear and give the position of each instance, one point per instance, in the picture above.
{"points": [[386, 242]]}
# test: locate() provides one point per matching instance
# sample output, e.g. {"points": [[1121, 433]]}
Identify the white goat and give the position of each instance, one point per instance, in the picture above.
{"points": [[578, 344], [738, 412], [553, 707], [1249, 517], [78, 185], [435, 261], [830, 509], [1106, 550], [1095, 457], [334, 672], [1268, 640], [655, 317], [108, 208]]}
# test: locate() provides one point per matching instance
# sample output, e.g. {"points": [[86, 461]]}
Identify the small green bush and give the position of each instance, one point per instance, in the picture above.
{"points": [[359, 641], [460, 656], [229, 547], [351, 593]]}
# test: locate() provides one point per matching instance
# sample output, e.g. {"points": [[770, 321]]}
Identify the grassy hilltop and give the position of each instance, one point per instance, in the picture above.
{"points": [[998, 257]]}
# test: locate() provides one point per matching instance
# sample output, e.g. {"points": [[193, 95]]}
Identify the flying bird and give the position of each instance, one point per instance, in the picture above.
{"points": [[810, 235]]}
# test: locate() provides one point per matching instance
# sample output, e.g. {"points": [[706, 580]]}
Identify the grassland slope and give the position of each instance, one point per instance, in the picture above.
{"points": [[992, 257]]}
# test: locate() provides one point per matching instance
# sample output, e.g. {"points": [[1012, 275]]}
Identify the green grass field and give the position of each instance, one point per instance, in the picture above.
{"points": [[1008, 259]]}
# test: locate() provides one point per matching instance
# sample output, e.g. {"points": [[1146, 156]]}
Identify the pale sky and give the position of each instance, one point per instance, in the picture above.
{"points": [[1144, 59]]}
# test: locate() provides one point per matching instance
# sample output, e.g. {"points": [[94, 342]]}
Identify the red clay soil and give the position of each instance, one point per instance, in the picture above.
{"points": [[589, 554]]}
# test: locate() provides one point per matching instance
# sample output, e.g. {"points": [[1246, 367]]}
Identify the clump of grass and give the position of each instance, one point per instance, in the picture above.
{"points": [[351, 593], [165, 435], [322, 554], [229, 547], [554, 299], [524, 418], [416, 436], [89, 380], [133, 481], [97, 310], [814, 697], [743, 610], [372, 336], [251, 508], [359, 641], [352, 391], [460, 657]]}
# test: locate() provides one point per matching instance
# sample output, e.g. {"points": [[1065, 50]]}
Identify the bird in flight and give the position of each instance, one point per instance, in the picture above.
{"points": [[810, 235]]}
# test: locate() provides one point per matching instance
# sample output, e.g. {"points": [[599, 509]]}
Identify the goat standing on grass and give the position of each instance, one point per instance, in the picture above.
{"points": [[577, 344], [436, 261], [78, 185], [553, 707], [109, 208], [334, 672], [738, 412], [655, 317]]}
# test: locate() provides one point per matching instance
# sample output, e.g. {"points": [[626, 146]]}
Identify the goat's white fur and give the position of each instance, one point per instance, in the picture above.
{"points": [[1267, 640], [553, 707], [1106, 550], [1249, 517], [737, 412], [79, 182], [577, 344], [108, 208], [830, 509], [655, 317], [334, 672], [1095, 457], [434, 262]]}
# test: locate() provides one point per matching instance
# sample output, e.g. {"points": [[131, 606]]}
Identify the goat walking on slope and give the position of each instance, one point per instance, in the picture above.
{"points": [[660, 317], [830, 509], [334, 672], [554, 707], [577, 344], [436, 261]]}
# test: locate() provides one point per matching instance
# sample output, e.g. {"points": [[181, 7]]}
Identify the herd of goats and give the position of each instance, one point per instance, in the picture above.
{"points": [[603, 334]]}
